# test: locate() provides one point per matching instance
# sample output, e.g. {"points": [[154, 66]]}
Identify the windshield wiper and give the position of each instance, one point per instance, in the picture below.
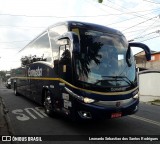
{"points": [[115, 78], [126, 79]]}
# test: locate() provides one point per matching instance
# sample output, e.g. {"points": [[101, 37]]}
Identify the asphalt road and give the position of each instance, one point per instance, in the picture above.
{"points": [[28, 118]]}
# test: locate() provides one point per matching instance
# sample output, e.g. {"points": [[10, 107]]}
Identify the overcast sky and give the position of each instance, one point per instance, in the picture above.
{"points": [[23, 20]]}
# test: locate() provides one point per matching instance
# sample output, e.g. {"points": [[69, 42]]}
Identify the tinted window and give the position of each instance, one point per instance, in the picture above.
{"points": [[102, 60], [41, 50], [54, 33]]}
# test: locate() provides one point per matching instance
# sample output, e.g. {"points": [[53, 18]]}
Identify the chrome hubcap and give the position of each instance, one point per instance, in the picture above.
{"points": [[47, 104]]}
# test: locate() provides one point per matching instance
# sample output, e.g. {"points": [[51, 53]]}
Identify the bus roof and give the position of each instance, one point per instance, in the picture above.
{"points": [[89, 26], [80, 24]]}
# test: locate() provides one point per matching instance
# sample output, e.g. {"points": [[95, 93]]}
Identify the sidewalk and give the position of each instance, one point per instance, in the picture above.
{"points": [[150, 99], [5, 125]]}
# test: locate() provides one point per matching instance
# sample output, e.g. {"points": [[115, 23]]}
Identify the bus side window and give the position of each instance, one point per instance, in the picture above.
{"points": [[65, 62], [41, 50], [53, 34], [25, 56]]}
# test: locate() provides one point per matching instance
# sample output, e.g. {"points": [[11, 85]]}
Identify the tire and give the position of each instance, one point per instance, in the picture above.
{"points": [[15, 90], [48, 103]]}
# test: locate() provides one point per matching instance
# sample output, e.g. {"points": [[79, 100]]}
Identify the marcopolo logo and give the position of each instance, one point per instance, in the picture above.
{"points": [[35, 72]]}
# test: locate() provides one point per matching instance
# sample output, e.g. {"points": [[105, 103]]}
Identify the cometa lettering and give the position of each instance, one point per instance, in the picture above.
{"points": [[35, 72]]}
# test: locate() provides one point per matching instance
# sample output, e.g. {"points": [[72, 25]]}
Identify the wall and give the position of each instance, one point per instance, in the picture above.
{"points": [[149, 83], [150, 65], [155, 57]]}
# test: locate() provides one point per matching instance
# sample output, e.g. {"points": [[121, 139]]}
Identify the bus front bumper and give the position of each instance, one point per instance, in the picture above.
{"points": [[107, 110]]}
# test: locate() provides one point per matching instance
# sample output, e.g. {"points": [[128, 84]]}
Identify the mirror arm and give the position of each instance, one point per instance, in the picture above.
{"points": [[128, 57], [144, 47]]}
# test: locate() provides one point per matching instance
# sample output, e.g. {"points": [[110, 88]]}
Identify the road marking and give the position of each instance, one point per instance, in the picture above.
{"points": [[33, 110], [20, 115], [28, 113], [41, 110], [145, 120]]}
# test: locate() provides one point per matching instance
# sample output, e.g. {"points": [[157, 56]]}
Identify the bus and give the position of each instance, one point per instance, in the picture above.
{"points": [[82, 70]]}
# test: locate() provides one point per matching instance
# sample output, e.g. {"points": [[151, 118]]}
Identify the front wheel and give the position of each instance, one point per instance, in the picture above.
{"points": [[48, 103], [15, 90]]}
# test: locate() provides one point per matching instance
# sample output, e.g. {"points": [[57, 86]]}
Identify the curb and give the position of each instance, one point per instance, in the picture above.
{"points": [[7, 127], [151, 103], [6, 116], [155, 103]]}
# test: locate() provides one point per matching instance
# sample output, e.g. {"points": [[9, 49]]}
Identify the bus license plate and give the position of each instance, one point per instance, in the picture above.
{"points": [[116, 115]]}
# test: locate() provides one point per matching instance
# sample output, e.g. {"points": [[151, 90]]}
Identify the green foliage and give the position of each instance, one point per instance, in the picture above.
{"points": [[100, 1], [3, 75]]}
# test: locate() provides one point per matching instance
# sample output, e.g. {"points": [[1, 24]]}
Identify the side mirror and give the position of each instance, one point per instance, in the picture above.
{"points": [[63, 41], [144, 47], [73, 37]]}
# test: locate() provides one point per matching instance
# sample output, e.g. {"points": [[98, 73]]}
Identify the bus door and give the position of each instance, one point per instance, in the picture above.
{"points": [[28, 81], [64, 63], [21, 82], [64, 70]]}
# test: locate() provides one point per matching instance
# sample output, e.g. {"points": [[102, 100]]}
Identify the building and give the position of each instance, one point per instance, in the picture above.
{"points": [[142, 63]]}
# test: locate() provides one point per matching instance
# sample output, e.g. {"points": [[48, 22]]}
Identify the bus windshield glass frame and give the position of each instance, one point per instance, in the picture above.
{"points": [[102, 59]]}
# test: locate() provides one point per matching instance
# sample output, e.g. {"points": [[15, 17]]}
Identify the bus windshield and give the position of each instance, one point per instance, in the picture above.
{"points": [[102, 60]]}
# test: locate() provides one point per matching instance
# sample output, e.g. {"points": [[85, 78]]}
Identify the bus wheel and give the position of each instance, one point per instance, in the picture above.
{"points": [[15, 90], [48, 104]]}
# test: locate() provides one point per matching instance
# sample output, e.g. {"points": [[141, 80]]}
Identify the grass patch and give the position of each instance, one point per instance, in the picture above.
{"points": [[157, 100]]}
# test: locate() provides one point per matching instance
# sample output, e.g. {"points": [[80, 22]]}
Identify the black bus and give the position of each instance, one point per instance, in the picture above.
{"points": [[81, 70]]}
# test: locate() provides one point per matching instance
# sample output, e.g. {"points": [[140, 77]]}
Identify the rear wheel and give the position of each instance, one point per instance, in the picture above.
{"points": [[48, 103]]}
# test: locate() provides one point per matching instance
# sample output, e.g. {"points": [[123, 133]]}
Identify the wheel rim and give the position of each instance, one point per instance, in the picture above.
{"points": [[15, 91], [47, 104]]}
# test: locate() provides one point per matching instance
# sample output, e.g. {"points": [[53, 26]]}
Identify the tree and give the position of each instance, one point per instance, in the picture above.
{"points": [[100, 1], [2, 75]]}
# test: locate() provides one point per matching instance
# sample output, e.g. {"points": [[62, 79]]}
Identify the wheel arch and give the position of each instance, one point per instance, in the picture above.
{"points": [[44, 89]]}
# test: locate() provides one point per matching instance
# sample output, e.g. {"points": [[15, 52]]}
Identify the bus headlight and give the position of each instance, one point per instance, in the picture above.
{"points": [[88, 100], [81, 98], [136, 96]]}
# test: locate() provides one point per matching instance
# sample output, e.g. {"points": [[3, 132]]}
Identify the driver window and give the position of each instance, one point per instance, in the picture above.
{"points": [[65, 62]]}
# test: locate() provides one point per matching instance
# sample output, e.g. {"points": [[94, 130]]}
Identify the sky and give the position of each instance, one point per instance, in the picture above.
{"points": [[22, 20]]}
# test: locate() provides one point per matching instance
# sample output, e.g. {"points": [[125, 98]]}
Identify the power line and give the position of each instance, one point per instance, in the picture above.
{"points": [[65, 16], [125, 8], [151, 2], [9, 48], [20, 26], [148, 27], [150, 38], [75, 16], [145, 35], [15, 41], [39, 16], [129, 19], [140, 23], [133, 31]]}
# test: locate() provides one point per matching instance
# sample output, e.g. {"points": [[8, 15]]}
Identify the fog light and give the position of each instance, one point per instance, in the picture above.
{"points": [[136, 96], [85, 115]]}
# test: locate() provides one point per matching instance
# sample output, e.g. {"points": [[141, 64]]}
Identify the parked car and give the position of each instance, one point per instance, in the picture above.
{"points": [[8, 83]]}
